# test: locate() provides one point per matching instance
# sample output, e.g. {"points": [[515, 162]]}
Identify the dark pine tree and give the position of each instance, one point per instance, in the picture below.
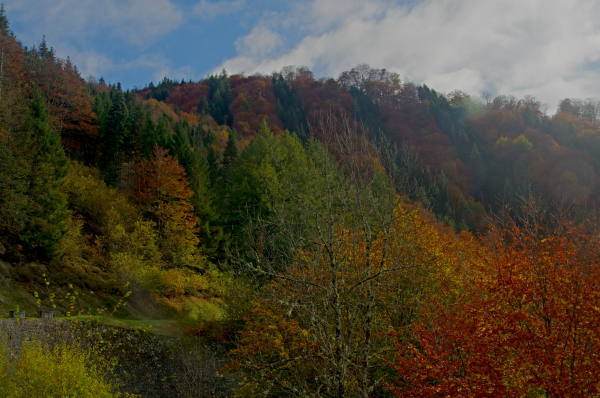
{"points": [[202, 105], [230, 154], [47, 207], [112, 138]]}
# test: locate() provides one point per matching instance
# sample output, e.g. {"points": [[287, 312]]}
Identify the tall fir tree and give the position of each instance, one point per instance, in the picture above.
{"points": [[212, 237], [230, 154], [212, 160], [288, 107], [113, 135], [478, 167], [221, 98], [202, 105], [4, 24], [47, 208], [164, 138], [463, 147], [216, 107]]}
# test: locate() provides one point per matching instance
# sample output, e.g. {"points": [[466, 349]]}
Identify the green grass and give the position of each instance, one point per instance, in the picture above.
{"points": [[163, 327], [159, 315]]}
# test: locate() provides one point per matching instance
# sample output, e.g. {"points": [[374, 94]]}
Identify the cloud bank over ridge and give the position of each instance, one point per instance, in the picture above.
{"points": [[544, 48]]}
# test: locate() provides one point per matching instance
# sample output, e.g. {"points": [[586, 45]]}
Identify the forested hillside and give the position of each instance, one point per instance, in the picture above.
{"points": [[467, 155], [343, 237]]}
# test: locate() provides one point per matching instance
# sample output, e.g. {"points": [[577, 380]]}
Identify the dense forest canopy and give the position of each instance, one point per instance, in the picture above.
{"points": [[359, 235]]}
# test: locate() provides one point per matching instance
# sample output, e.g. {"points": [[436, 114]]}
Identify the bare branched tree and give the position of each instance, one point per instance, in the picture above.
{"points": [[328, 243]]}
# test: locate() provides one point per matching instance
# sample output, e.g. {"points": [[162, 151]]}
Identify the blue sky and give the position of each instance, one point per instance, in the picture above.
{"points": [[181, 39], [546, 48]]}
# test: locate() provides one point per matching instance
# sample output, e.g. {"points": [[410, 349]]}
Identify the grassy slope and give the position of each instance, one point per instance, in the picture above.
{"points": [[143, 310]]}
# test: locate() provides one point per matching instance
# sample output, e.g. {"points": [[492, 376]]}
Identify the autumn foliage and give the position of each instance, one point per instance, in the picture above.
{"points": [[277, 351], [526, 323], [254, 101], [289, 342], [353, 210], [162, 190]]}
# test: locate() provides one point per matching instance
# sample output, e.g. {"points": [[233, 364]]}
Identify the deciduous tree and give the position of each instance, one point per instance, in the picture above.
{"points": [[161, 189], [525, 324], [336, 244]]}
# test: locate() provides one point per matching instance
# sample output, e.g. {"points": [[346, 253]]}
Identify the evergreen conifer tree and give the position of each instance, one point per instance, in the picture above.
{"points": [[213, 165], [112, 136], [221, 97], [202, 105], [47, 207], [216, 107], [288, 107], [230, 154], [212, 237], [164, 138], [478, 167], [463, 146], [530, 118], [4, 24]]}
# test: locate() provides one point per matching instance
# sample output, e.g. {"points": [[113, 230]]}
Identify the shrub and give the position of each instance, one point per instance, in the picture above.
{"points": [[90, 196], [62, 371]]}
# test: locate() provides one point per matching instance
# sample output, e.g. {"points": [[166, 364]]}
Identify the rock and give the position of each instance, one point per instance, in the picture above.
{"points": [[46, 314], [16, 314]]}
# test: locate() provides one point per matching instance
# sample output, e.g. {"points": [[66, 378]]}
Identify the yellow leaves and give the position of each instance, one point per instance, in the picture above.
{"points": [[502, 141], [161, 188], [40, 371], [522, 144], [438, 253]]}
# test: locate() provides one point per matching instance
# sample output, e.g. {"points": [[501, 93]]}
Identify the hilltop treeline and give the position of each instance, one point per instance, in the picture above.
{"points": [[468, 155], [465, 155]]}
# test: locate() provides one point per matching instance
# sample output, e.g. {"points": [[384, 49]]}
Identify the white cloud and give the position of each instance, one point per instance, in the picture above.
{"points": [[91, 63], [550, 48], [161, 67], [261, 42], [209, 11], [71, 26], [136, 21]]}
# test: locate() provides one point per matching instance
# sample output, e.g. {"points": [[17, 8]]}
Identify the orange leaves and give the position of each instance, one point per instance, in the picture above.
{"points": [[69, 104], [187, 96], [270, 332], [162, 190], [278, 354], [158, 108], [255, 101], [332, 308], [525, 323]]}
